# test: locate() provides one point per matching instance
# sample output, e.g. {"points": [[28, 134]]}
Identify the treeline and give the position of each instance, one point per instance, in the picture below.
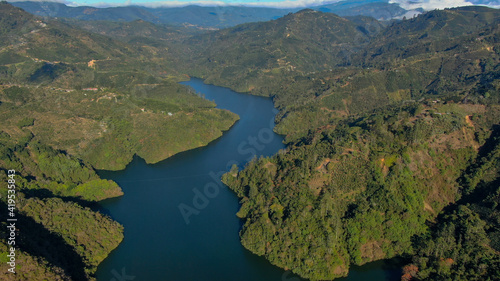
{"points": [[378, 147], [58, 237], [450, 54], [99, 99], [361, 190], [385, 125], [464, 242]]}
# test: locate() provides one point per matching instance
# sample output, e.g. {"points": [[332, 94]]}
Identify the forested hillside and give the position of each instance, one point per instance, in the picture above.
{"points": [[72, 101], [392, 152], [363, 188], [257, 57], [205, 17], [95, 97], [369, 67], [392, 131]]}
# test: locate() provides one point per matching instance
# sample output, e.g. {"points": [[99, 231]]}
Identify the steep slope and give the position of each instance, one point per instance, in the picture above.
{"points": [[73, 101], [458, 66], [358, 190], [37, 39], [318, 76], [206, 16], [380, 10], [378, 149], [60, 10], [385, 126], [243, 56], [431, 32], [464, 243], [101, 93]]}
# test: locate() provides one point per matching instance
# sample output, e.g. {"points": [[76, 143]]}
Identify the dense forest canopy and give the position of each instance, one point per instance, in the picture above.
{"points": [[392, 132]]}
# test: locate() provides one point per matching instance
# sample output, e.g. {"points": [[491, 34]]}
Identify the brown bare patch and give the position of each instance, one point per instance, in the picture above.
{"points": [[383, 166], [89, 11], [346, 84], [372, 251], [341, 270], [428, 207], [468, 121], [91, 64], [323, 164], [272, 168], [456, 140], [316, 184]]}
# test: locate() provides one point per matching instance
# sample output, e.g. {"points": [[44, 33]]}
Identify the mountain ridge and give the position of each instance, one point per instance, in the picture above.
{"points": [[205, 16], [387, 126]]}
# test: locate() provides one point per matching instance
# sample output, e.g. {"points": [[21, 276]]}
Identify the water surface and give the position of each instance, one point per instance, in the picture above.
{"points": [[203, 244]]}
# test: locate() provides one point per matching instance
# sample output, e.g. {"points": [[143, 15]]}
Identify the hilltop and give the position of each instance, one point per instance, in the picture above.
{"points": [[249, 56], [378, 146], [71, 102], [391, 131], [349, 65], [206, 17], [57, 72]]}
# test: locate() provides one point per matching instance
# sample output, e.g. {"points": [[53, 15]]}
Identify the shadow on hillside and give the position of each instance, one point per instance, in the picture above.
{"points": [[45, 193], [34, 239]]}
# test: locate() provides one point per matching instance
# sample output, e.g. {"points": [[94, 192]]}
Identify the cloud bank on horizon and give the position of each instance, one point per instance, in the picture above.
{"points": [[441, 4], [405, 4]]}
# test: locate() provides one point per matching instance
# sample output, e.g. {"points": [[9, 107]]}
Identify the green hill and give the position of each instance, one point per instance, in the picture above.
{"points": [[60, 10], [48, 40], [72, 101], [250, 56], [363, 188], [430, 32], [318, 76], [392, 133], [378, 146], [102, 93], [206, 16]]}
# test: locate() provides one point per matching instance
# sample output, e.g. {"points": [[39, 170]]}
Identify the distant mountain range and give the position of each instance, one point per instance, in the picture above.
{"points": [[392, 129], [215, 17]]}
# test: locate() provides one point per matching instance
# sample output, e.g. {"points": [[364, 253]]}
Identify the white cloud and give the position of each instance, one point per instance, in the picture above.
{"points": [[430, 4], [409, 15], [492, 4]]}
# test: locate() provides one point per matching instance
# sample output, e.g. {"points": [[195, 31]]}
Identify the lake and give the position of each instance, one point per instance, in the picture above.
{"points": [[179, 219]]}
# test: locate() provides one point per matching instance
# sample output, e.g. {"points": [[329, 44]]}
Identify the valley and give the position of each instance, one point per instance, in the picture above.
{"points": [[385, 137]]}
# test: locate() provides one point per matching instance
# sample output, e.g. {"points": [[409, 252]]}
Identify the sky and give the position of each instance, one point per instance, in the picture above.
{"points": [[406, 4]]}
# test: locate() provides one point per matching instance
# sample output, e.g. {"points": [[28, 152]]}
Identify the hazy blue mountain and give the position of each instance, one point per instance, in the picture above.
{"points": [[381, 10], [218, 17], [485, 2], [53, 9]]}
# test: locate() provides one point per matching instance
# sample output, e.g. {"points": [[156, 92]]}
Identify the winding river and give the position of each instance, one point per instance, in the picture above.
{"points": [[179, 219]]}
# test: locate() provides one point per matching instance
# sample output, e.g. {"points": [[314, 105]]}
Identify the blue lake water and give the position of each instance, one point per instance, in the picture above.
{"points": [[179, 219]]}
